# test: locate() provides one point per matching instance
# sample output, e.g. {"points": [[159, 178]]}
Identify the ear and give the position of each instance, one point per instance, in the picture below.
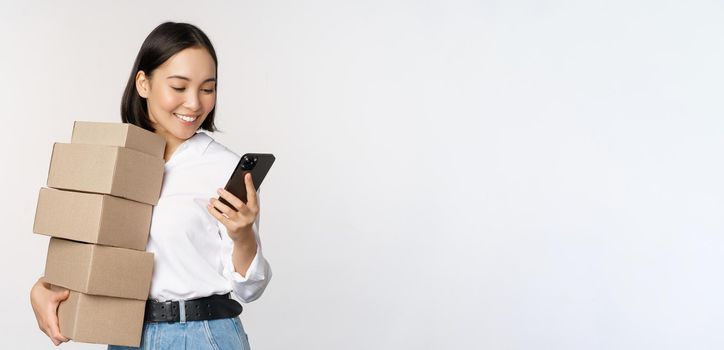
{"points": [[143, 85]]}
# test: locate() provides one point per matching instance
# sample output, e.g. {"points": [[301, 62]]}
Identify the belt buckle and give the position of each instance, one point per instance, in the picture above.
{"points": [[169, 311]]}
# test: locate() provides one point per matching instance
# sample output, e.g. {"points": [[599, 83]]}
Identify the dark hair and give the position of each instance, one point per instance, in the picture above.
{"points": [[163, 42]]}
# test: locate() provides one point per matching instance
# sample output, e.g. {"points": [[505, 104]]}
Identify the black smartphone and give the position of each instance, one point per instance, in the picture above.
{"points": [[258, 164]]}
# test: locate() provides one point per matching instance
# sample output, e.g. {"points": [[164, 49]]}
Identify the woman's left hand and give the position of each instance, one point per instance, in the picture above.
{"points": [[238, 223]]}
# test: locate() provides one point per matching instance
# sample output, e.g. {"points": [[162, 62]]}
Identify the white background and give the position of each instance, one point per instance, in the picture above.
{"points": [[450, 174]]}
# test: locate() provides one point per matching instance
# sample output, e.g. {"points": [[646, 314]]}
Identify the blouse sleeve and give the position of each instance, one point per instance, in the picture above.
{"points": [[250, 286]]}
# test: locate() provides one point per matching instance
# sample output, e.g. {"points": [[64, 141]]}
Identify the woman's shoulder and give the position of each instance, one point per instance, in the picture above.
{"points": [[217, 151]]}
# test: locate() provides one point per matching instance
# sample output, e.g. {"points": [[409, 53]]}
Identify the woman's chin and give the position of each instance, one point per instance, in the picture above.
{"points": [[184, 134]]}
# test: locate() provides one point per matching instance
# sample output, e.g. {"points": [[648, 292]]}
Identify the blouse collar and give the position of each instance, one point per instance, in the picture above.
{"points": [[195, 144]]}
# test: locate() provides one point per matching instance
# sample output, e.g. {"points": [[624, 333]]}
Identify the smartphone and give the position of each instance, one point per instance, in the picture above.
{"points": [[258, 164]]}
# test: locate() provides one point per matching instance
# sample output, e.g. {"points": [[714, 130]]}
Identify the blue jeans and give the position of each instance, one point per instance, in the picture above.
{"points": [[222, 334]]}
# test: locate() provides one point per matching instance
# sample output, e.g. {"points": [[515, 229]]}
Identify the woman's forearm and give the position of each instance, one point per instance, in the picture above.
{"points": [[244, 251]]}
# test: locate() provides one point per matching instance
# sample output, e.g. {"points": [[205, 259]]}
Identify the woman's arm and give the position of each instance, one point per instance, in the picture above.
{"points": [[243, 263], [244, 251], [250, 281]]}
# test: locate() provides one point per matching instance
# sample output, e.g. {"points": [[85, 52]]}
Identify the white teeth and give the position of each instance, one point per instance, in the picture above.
{"points": [[185, 118]]}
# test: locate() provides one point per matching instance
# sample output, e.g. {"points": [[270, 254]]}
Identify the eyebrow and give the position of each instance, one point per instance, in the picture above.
{"points": [[187, 79]]}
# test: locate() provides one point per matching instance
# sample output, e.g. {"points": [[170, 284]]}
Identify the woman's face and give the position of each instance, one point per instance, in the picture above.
{"points": [[180, 93]]}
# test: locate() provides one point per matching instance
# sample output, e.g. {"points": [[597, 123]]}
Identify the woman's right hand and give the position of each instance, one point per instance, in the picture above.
{"points": [[45, 299]]}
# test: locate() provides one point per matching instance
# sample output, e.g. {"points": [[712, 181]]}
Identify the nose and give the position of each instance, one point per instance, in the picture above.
{"points": [[192, 102]]}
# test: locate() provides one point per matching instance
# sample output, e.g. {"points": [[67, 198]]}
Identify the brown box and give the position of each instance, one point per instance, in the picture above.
{"points": [[113, 170], [119, 134], [93, 218], [99, 270], [102, 320]]}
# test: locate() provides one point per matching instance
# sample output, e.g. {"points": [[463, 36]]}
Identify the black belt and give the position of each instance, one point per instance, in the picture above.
{"points": [[208, 308]]}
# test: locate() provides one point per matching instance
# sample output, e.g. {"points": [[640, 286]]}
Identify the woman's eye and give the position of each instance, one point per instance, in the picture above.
{"points": [[180, 89]]}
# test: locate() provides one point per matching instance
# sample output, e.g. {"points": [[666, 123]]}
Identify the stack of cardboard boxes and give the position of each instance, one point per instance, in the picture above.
{"points": [[97, 210]]}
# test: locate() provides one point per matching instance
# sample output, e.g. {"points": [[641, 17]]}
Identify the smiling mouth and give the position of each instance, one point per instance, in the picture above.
{"points": [[186, 118]]}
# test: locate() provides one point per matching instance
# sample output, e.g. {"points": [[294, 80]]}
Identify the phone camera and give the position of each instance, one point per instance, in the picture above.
{"points": [[247, 163]]}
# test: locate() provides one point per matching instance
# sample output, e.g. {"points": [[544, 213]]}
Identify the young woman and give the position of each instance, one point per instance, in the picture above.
{"points": [[201, 255]]}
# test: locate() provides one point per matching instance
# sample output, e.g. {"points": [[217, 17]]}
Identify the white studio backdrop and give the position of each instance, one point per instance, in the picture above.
{"points": [[450, 174]]}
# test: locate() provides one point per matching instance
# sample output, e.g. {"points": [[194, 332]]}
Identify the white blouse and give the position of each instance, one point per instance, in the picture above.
{"points": [[192, 250]]}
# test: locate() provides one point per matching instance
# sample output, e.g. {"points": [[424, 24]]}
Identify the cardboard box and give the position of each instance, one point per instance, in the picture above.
{"points": [[93, 218], [113, 170], [102, 320], [119, 134], [99, 270]]}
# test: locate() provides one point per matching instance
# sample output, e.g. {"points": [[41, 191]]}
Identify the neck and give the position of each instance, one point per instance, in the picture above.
{"points": [[172, 144], [170, 148]]}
